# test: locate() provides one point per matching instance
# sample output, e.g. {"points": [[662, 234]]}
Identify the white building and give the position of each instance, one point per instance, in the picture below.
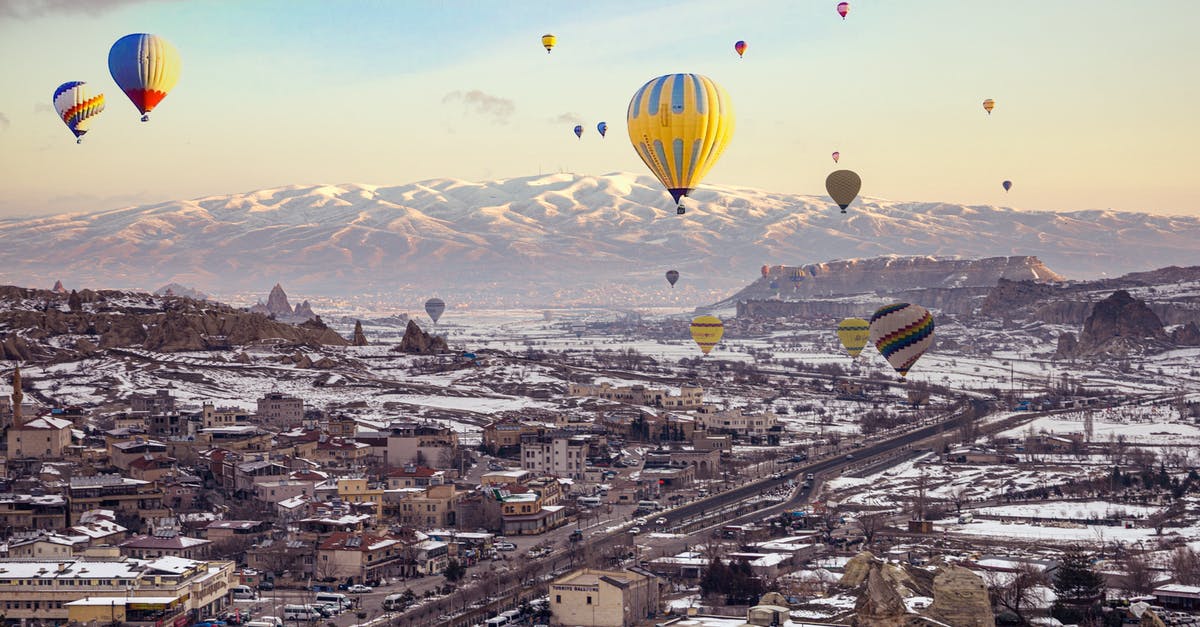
{"points": [[559, 456]]}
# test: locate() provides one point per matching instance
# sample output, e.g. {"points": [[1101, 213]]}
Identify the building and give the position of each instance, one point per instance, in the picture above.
{"points": [[604, 598], [26, 511], [518, 510], [41, 438], [131, 497], [211, 416], [340, 452], [160, 402], [432, 445], [278, 409], [123, 453], [558, 455], [413, 476], [734, 421], [358, 490], [430, 507], [149, 547], [689, 397], [359, 557], [50, 590], [504, 436]]}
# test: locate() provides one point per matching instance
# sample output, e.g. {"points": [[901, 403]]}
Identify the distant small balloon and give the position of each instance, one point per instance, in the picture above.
{"points": [[602, 127], [843, 9], [740, 47], [988, 105], [672, 277], [1007, 185], [549, 41], [579, 130], [434, 307], [836, 155]]}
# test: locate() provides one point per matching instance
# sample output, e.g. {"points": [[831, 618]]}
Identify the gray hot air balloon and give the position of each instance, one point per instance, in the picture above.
{"points": [[434, 307], [843, 186], [672, 277]]}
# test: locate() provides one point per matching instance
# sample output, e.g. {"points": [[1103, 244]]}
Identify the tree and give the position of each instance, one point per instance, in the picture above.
{"points": [[1185, 566], [1016, 592], [1137, 576], [715, 579], [454, 570], [1077, 585], [870, 524]]}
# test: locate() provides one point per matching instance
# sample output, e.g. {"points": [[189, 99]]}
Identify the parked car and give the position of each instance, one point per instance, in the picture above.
{"points": [[505, 546], [359, 589], [635, 530], [266, 585]]}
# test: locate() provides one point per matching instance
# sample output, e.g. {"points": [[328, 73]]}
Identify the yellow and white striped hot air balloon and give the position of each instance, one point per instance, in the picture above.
{"points": [[707, 331], [145, 67], [680, 124]]}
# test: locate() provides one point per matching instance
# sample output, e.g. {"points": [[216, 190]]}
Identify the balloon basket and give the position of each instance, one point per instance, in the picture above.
{"points": [[146, 117], [680, 210]]}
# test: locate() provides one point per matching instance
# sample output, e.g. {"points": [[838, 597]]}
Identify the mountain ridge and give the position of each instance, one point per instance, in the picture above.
{"points": [[559, 237]]}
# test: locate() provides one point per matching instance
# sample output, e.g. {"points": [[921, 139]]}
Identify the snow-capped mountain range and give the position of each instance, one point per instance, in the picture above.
{"points": [[543, 239]]}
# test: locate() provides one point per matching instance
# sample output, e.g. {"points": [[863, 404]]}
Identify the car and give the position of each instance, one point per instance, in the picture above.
{"points": [[809, 476], [635, 530], [358, 588], [661, 521], [505, 546], [266, 585], [849, 456]]}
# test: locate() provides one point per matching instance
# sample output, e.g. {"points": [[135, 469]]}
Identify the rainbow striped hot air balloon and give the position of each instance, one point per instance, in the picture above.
{"points": [[679, 124], [854, 333], [146, 68], [740, 48], [77, 106], [707, 331], [902, 332]]}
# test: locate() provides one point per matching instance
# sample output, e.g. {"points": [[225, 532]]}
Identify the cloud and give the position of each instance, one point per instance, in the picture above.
{"points": [[29, 9], [4, 123], [499, 109], [567, 118], [42, 107]]}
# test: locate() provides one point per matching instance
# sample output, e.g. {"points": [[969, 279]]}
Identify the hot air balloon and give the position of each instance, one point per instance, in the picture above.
{"points": [[146, 68], [672, 277], [988, 105], [797, 275], [77, 106], [843, 9], [548, 41], [854, 333], [902, 332], [843, 186], [740, 47], [836, 155], [579, 130], [603, 128], [679, 124], [1007, 185], [707, 331], [434, 307]]}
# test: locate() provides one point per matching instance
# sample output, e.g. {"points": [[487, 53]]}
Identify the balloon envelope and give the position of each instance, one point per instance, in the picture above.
{"points": [[146, 67], [902, 332], [843, 186], [707, 331], [679, 124], [836, 155], [854, 333], [548, 41], [672, 277], [988, 105], [434, 307], [579, 130], [843, 8], [1007, 185], [603, 128], [740, 47], [77, 105]]}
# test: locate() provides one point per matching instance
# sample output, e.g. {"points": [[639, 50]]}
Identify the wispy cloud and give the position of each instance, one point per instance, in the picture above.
{"points": [[495, 107], [41, 107], [4, 122], [29, 9], [567, 118]]}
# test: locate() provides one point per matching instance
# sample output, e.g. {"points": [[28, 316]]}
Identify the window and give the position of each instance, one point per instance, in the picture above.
{"points": [[589, 599], [558, 598]]}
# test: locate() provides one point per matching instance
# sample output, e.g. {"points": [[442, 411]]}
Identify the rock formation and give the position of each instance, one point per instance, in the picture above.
{"points": [[360, 338], [1187, 335], [303, 312], [58, 288], [277, 302], [115, 319], [1067, 346], [960, 598], [1121, 325], [419, 342], [175, 289]]}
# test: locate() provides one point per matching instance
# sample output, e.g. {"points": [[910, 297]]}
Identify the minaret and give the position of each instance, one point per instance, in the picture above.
{"points": [[17, 397]]}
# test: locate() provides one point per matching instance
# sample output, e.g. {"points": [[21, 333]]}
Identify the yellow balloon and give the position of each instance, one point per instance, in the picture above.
{"points": [[707, 331], [548, 41], [988, 105], [679, 125], [854, 333]]}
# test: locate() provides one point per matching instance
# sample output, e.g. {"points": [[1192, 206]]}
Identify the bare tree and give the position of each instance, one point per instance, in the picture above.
{"points": [[870, 524], [959, 495], [1137, 576], [1016, 592], [1185, 566], [1160, 520]]}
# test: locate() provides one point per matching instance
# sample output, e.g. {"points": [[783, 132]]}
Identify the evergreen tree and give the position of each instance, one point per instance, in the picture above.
{"points": [[1078, 586], [454, 570], [715, 579]]}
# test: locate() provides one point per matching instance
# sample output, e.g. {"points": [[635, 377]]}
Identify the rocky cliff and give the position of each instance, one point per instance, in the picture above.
{"points": [[278, 307], [175, 289], [42, 325], [1118, 325], [959, 596], [419, 342]]}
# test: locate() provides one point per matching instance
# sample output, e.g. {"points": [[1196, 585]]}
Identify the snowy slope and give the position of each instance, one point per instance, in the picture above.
{"points": [[554, 238]]}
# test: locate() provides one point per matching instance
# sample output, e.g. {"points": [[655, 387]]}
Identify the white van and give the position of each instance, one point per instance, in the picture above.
{"points": [[589, 501], [300, 613], [393, 602], [649, 505], [242, 593], [333, 597], [499, 621]]}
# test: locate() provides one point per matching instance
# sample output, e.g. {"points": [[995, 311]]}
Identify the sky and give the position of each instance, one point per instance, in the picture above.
{"points": [[1095, 99]]}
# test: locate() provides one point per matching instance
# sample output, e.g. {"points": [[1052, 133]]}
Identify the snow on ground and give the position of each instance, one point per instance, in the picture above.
{"points": [[1158, 425], [1070, 510]]}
